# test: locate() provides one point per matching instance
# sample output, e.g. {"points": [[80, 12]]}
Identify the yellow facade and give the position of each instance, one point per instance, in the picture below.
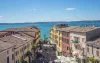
{"points": [[57, 38], [38, 37], [21, 52]]}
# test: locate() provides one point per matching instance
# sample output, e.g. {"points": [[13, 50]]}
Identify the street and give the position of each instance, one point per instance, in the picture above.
{"points": [[46, 54]]}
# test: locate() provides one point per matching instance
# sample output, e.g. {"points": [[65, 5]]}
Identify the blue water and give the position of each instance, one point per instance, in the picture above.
{"points": [[45, 27]]}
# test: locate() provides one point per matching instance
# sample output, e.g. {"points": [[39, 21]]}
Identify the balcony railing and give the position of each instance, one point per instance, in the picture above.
{"points": [[75, 42]]}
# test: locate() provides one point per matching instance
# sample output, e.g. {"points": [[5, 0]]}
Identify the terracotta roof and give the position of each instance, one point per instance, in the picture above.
{"points": [[2, 33], [13, 40], [83, 29], [94, 43], [16, 39], [13, 29], [29, 30], [4, 46], [30, 34], [25, 29], [24, 36], [67, 29]]}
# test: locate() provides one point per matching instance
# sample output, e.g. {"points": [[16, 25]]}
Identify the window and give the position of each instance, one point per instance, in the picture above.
{"points": [[20, 50], [56, 37], [8, 59], [17, 53], [25, 56], [56, 41], [76, 46], [67, 48], [64, 33], [12, 56], [24, 47], [7, 51], [83, 39], [12, 49], [65, 40], [97, 52], [76, 38], [87, 49], [16, 61], [56, 31]]}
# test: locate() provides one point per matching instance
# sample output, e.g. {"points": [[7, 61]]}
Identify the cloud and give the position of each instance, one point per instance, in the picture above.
{"points": [[70, 9], [32, 9], [1, 16]]}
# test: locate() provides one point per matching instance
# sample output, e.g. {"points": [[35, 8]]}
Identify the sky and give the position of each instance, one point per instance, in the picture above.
{"points": [[19, 11]]}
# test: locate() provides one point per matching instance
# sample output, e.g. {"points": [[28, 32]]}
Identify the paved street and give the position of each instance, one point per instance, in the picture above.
{"points": [[47, 54]]}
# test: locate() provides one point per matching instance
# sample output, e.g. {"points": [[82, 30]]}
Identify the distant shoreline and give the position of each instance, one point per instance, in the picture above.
{"points": [[90, 21]]}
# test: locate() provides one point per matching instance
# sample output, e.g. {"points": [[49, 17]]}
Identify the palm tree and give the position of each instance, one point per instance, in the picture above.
{"points": [[29, 54]]}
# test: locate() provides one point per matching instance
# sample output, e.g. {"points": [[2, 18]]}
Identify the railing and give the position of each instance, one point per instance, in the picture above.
{"points": [[75, 42]]}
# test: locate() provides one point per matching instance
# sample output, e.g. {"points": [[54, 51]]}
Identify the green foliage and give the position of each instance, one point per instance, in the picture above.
{"points": [[93, 60], [41, 41], [70, 48], [23, 61], [45, 41], [29, 54], [34, 46], [75, 42]]}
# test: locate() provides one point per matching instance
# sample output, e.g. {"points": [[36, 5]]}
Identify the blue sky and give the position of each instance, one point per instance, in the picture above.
{"points": [[48, 10]]}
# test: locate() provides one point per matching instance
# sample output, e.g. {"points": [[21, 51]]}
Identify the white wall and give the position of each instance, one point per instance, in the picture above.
{"points": [[82, 44], [89, 54]]}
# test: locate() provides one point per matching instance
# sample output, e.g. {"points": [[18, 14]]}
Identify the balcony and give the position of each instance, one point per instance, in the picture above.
{"points": [[75, 42]]}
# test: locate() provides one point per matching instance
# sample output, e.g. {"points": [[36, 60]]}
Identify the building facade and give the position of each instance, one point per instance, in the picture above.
{"points": [[74, 41], [6, 53], [78, 39], [22, 40], [57, 37], [93, 50]]}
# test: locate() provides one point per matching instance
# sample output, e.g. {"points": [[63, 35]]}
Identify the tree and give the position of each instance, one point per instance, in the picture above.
{"points": [[45, 41], [93, 60], [41, 41], [29, 54], [34, 47], [23, 61]]}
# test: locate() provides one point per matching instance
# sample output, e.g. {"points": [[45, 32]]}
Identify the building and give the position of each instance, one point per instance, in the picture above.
{"points": [[19, 41], [93, 49], [29, 30], [21, 46], [6, 53], [74, 39], [78, 39], [56, 37], [66, 49]]}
